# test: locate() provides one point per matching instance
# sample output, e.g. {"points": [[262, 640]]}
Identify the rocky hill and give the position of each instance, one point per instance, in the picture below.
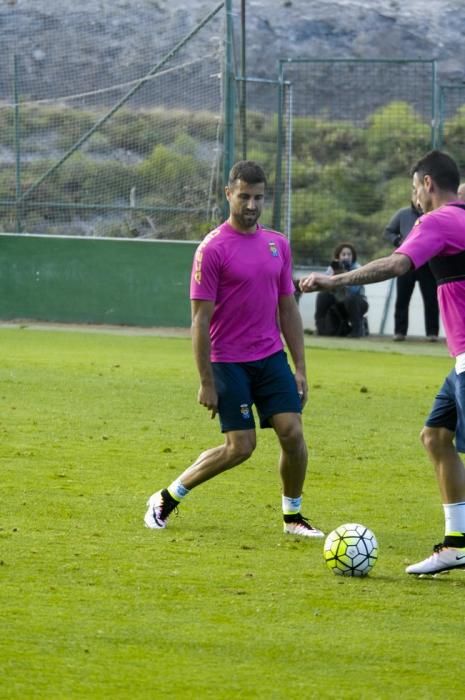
{"points": [[64, 47]]}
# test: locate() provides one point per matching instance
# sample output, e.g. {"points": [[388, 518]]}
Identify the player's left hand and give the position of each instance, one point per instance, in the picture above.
{"points": [[302, 388]]}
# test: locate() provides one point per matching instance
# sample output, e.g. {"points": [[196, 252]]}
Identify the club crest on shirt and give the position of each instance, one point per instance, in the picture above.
{"points": [[245, 411], [273, 249]]}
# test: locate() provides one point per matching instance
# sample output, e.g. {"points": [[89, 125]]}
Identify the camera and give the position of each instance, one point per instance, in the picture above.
{"points": [[337, 266]]}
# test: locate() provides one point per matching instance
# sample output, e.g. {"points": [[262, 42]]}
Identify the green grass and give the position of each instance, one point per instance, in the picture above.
{"points": [[220, 605]]}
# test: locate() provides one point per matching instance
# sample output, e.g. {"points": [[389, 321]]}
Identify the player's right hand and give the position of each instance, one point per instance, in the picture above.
{"points": [[208, 397]]}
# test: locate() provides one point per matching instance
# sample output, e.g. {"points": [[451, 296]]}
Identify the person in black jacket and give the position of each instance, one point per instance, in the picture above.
{"points": [[395, 232]]}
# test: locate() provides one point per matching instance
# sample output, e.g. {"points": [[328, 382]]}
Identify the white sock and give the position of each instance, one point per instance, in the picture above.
{"points": [[454, 514], [177, 490], [291, 505]]}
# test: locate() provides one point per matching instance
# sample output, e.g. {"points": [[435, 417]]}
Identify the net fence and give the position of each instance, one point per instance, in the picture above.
{"points": [[264, 134], [452, 121], [357, 128], [128, 145], [130, 140]]}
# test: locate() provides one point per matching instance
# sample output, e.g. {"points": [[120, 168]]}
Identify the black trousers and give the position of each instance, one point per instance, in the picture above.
{"points": [[334, 316], [405, 287]]}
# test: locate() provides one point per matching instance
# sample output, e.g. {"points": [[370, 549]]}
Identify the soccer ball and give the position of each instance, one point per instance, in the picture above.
{"points": [[351, 550]]}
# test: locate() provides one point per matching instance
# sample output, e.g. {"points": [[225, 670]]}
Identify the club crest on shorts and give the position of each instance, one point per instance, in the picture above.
{"points": [[273, 249], [245, 411]]}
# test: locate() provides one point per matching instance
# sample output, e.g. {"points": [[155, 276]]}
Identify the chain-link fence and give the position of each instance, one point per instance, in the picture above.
{"points": [[357, 128], [264, 133], [132, 150], [140, 146], [452, 121]]}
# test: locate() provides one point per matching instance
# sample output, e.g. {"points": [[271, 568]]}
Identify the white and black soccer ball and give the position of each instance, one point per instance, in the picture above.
{"points": [[351, 550]]}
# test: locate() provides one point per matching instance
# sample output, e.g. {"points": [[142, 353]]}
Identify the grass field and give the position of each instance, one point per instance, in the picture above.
{"points": [[221, 605]]}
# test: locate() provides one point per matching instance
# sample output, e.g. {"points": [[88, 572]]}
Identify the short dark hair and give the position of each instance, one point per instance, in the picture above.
{"points": [[247, 170], [338, 250], [442, 169]]}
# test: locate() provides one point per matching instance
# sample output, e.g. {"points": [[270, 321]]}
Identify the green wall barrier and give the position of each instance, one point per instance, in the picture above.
{"points": [[94, 280]]}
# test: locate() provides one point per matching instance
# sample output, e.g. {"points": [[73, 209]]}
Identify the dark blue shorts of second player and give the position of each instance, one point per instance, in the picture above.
{"points": [[449, 408], [268, 383]]}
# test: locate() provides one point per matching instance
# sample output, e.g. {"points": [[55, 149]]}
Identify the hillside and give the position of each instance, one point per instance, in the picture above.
{"points": [[66, 47], [108, 148]]}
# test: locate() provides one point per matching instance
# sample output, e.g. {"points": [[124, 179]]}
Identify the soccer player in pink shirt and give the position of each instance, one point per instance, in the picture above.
{"points": [[242, 297], [437, 237]]}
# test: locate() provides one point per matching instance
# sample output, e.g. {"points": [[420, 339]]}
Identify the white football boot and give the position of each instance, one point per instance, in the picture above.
{"points": [[160, 505], [296, 524], [442, 559]]}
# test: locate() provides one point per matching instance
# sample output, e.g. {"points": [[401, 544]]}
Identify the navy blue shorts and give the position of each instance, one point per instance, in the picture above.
{"points": [[268, 383], [449, 408]]}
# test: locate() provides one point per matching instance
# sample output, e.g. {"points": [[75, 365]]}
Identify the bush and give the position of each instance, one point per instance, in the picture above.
{"points": [[347, 180]]}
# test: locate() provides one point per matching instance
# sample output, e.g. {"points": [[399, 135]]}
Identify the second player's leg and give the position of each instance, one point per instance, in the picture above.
{"points": [[450, 471], [293, 458], [445, 423], [237, 448]]}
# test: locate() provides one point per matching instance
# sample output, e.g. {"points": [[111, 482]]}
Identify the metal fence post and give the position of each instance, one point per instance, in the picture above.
{"points": [[441, 118], [435, 117], [279, 154], [290, 108], [17, 145], [243, 98], [228, 144]]}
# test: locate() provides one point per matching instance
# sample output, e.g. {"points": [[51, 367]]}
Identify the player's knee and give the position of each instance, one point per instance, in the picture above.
{"points": [[291, 437], [427, 438], [433, 439], [240, 450]]}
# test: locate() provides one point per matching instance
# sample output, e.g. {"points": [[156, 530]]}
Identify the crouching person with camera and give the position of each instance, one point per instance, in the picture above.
{"points": [[341, 313]]}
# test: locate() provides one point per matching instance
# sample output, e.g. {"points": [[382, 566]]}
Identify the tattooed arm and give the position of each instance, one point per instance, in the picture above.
{"points": [[375, 271]]}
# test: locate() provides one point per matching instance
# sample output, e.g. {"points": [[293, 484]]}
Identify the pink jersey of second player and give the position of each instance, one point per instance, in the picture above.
{"points": [[244, 274], [442, 233]]}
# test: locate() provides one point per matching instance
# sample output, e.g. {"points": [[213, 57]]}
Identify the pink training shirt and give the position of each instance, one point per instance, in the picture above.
{"points": [[441, 233], [244, 274]]}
